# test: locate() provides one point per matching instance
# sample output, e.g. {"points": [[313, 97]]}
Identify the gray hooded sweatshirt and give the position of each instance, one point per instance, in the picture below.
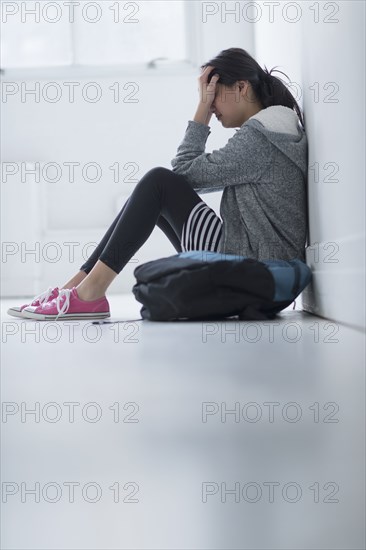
{"points": [[262, 171]]}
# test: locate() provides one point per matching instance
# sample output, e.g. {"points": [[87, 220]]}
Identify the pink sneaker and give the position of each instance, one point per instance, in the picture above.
{"points": [[68, 305], [42, 298]]}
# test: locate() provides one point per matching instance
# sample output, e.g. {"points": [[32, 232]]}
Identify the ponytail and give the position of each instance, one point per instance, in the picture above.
{"points": [[271, 90]]}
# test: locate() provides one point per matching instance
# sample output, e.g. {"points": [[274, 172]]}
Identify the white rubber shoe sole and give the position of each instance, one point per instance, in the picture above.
{"points": [[65, 316], [15, 312]]}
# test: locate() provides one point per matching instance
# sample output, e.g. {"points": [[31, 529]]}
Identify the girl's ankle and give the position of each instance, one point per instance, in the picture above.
{"points": [[89, 295]]}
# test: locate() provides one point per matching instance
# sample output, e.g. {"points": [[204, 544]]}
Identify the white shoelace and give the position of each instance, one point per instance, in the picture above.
{"points": [[43, 297], [64, 292]]}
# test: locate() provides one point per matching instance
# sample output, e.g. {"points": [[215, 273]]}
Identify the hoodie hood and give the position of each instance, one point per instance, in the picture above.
{"points": [[281, 126], [278, 118]]}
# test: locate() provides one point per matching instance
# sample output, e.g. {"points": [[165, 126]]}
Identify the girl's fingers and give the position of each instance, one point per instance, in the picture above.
{"points": [[206, 72], [204, 85], [213, 80]]}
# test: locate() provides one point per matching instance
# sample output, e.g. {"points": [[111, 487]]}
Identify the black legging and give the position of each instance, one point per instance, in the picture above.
{"points": [[161, 198]]}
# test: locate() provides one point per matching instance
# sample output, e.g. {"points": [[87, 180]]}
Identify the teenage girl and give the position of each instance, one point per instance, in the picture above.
{"points": [[234, 88]]}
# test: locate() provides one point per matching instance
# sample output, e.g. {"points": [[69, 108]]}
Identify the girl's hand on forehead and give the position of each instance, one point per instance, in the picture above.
{"points": [[207, 90]]}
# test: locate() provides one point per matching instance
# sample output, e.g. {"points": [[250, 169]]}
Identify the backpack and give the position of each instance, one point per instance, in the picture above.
{"points": [[204, 285]]}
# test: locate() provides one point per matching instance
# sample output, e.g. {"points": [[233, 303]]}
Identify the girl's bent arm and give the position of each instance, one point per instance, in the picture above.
{"points": [[246, 158]]}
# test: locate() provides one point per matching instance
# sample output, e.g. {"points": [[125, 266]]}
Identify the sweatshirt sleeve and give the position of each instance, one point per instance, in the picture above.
{"points": [[244, 159]]}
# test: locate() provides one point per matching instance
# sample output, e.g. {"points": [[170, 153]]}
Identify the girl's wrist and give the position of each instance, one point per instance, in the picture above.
{"points": [[203, 114]]}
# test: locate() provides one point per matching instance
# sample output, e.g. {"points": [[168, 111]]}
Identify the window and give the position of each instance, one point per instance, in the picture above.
{"points": [[29, 43], [67, 33]]}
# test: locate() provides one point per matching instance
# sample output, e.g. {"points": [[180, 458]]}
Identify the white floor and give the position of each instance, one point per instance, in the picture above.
{"points": [[184, 435]]}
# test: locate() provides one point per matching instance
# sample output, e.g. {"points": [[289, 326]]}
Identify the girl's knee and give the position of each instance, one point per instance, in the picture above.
{"points": [[158, 171], [160, 177], [163, 181]]}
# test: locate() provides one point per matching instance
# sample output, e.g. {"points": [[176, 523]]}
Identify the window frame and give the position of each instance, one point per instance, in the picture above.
{"points": [[186, 66]]}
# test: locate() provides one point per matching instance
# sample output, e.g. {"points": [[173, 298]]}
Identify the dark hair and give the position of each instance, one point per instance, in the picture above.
{"points": [[237, 64]]}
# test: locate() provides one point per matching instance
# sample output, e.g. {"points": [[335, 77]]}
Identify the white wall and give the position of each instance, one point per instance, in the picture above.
{"points": [[146, 133], [278, 45], [335, 53]]}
